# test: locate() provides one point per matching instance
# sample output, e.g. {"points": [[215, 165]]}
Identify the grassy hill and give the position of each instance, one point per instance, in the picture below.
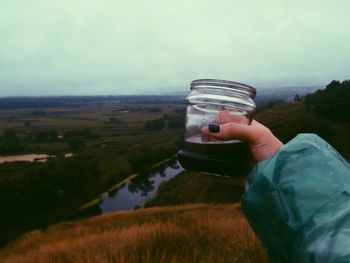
{"points": [[188, 233], [194, 187]]}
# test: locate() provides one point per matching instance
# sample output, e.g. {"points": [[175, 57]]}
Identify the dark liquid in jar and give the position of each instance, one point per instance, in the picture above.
{"points": [[229, 158]]}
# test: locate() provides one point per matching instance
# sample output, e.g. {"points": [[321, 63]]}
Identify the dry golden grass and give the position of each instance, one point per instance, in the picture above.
{"points": [[189, 233]]}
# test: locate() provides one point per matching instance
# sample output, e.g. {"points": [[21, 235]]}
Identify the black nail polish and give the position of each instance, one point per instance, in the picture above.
{"points": [[214, 128]]}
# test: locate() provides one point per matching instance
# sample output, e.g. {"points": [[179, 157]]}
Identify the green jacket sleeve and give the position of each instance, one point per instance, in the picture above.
{"points": [[298, 202]]}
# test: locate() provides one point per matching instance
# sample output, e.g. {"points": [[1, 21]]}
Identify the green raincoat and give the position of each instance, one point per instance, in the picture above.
{"points": [[298, 202]]}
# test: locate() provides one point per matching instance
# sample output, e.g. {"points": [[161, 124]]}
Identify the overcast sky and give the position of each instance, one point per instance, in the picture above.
{"points": [[64, 47]]}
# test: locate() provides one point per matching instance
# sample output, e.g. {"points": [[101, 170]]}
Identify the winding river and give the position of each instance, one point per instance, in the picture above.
{"points": [[140, 189], [133, 193]]}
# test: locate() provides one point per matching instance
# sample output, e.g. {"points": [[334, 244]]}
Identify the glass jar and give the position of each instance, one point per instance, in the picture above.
{"points": [[213, 101]]}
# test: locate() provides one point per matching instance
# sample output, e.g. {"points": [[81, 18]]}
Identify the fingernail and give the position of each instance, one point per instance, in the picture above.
{"points": [[214, 128]]}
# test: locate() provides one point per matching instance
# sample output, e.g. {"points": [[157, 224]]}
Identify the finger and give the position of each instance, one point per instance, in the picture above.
{"points": [[230, 130]]}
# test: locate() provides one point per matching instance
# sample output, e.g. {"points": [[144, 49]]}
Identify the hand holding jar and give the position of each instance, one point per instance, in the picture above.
{"points": [[263, 144], [213, 102]]}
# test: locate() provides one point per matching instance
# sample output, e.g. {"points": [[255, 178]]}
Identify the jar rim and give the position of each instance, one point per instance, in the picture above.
{"points": [[226, 84]]}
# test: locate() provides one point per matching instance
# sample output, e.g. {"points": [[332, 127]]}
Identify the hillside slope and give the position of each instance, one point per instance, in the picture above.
{"points": [[190, 233], [289, 119]]}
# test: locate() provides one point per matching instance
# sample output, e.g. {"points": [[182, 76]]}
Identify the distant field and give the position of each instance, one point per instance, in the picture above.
{"points": [[63, 119], [111, 137]]}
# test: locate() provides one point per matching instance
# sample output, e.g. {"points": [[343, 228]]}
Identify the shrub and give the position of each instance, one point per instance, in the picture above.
{"points": [[155, 125]]}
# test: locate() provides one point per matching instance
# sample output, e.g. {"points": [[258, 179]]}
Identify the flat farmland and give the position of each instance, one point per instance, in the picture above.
{"points": [[109, 142]]}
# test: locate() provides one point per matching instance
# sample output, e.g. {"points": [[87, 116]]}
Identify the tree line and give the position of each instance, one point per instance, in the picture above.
{"points": [[172, 121], [331, 103]]}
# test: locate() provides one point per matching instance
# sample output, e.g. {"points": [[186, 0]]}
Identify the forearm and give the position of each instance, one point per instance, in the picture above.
{"points": [[304, 181]]}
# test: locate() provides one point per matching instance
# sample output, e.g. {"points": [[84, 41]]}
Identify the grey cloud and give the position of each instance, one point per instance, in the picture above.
{"points": [[101, 47]]}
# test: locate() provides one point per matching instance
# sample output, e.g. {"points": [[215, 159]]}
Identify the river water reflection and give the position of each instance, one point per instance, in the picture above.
{"points": [[139, 189]]}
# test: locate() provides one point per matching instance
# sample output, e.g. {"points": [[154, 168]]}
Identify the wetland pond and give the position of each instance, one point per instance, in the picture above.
{"points": [[30, 157]]}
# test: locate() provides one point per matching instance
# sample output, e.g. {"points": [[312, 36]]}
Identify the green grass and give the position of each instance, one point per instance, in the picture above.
{"points": [[194, 187]]}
